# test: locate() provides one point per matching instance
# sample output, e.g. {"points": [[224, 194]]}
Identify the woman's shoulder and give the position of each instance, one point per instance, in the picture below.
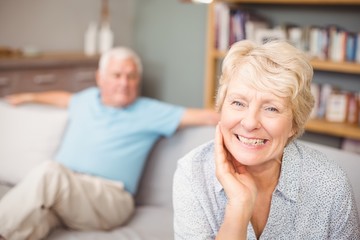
{"points": [[317, 165], [194, 160], [200, 153]]}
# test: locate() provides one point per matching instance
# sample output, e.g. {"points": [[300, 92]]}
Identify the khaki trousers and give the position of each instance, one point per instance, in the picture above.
{"points": [[52, 195]]}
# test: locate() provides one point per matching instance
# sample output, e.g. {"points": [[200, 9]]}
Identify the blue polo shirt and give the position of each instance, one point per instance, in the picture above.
{"points": [[114, 143]]}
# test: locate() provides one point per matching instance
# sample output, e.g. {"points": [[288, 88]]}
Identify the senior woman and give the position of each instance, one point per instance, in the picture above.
{"points": [[255, 181]]}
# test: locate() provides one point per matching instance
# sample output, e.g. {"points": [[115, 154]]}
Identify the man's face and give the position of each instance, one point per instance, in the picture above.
{"points": [[119, 83]]}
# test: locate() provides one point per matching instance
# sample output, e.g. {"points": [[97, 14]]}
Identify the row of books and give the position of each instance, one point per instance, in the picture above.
{"points": [[235, 24], [330, 42], [333, 43], [335, 105]]}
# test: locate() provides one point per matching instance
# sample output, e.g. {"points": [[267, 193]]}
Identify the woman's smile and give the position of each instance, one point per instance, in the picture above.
{"points": [[251, 141]]}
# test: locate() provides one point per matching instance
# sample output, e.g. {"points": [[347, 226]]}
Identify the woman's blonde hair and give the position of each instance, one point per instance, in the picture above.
{"points": [[276, 67]]}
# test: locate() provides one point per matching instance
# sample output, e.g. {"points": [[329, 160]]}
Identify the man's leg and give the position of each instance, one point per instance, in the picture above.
{"points": [[22, 209], [51, 193], [95, 204]]}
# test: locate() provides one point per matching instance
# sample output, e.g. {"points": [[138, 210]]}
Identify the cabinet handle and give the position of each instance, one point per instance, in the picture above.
{"points": [[4, 81], [44, 79]]}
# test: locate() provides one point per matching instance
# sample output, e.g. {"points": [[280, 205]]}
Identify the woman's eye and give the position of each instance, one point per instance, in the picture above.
{"points": [[237, 103], [272, 109]]}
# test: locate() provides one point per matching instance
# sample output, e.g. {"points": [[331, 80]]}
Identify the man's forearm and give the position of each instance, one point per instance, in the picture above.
{"points": [[55, 98]]}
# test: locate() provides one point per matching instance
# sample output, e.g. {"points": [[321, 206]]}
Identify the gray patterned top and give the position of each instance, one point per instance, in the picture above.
{"points": [[313, 199]]}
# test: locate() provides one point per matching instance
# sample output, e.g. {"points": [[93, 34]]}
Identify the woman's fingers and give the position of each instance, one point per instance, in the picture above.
{"points": [[221, 162]]}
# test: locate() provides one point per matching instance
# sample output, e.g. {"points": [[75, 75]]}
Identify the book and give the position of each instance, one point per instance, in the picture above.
{"points": [[353, 108], [238, 18], [253, 23], [337, 107], [264, 35], [351, 47], [357, 43], [222, 26], [325, 91], [315, 91]]}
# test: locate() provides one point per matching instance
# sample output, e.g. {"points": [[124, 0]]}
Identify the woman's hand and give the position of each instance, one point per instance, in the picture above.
{"points": [[237, 182], [240, 190]]}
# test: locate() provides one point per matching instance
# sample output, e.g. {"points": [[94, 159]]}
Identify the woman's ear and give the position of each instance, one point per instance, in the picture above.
{"points": [[292, 132]]}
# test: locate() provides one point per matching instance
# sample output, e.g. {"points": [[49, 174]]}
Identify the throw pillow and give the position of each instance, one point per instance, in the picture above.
{"points": [[29, 135]]}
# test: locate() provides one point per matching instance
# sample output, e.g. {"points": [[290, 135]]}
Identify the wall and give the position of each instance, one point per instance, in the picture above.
{"points": [[170, 37], [51, 25]]}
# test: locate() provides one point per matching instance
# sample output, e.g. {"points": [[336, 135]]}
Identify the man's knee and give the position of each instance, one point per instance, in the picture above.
{"points": [[49, 167], [49, 170]]}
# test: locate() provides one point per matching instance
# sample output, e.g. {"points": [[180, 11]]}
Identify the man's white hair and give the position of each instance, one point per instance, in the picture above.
{"points": [[120, 53]]}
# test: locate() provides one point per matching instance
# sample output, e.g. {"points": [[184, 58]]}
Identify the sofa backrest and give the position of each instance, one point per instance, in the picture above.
{"points": [[29, 135], [156, 184]]}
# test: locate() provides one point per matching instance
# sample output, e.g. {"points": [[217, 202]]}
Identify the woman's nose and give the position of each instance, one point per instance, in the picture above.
{"points": [[251, 120]]}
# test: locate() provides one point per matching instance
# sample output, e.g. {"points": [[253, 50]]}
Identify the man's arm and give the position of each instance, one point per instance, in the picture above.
{"points": [[55, 98], [193, 117]]}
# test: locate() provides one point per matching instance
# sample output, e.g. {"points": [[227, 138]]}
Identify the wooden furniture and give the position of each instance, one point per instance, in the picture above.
{"points": [[56, 71], [214, 58]]}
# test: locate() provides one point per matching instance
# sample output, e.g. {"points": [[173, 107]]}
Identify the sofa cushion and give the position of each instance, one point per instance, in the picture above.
{"points": [[148, 223], [31, 134]]}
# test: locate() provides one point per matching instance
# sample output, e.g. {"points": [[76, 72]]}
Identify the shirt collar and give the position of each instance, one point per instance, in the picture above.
{"points": [[217, 184], [288, 182], [290, 172]]}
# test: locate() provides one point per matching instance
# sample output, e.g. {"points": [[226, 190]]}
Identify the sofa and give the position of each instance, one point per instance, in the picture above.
{"points": [[31, 134]]}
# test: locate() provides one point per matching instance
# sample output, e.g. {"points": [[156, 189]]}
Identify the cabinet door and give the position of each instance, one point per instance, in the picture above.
{"points": [[83, 77], [44, 80], [7, 83]]}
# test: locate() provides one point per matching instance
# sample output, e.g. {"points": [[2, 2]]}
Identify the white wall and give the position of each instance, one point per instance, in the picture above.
{"points": [[59, 25]]}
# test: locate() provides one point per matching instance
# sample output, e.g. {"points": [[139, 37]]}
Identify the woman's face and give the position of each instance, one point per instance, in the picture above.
{"points": [[255, 125]]}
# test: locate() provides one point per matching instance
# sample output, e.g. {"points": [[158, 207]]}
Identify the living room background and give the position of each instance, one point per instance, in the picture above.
{"points": [[170, 37]]}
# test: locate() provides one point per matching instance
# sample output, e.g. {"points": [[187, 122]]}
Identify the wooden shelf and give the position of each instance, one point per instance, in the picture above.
{"points": [[322, 65], [335, 129], [48, 59], [342, 67], [295, 2]]}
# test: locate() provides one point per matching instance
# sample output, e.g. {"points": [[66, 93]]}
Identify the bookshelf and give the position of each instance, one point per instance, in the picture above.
{"points": [[214, 57]]}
